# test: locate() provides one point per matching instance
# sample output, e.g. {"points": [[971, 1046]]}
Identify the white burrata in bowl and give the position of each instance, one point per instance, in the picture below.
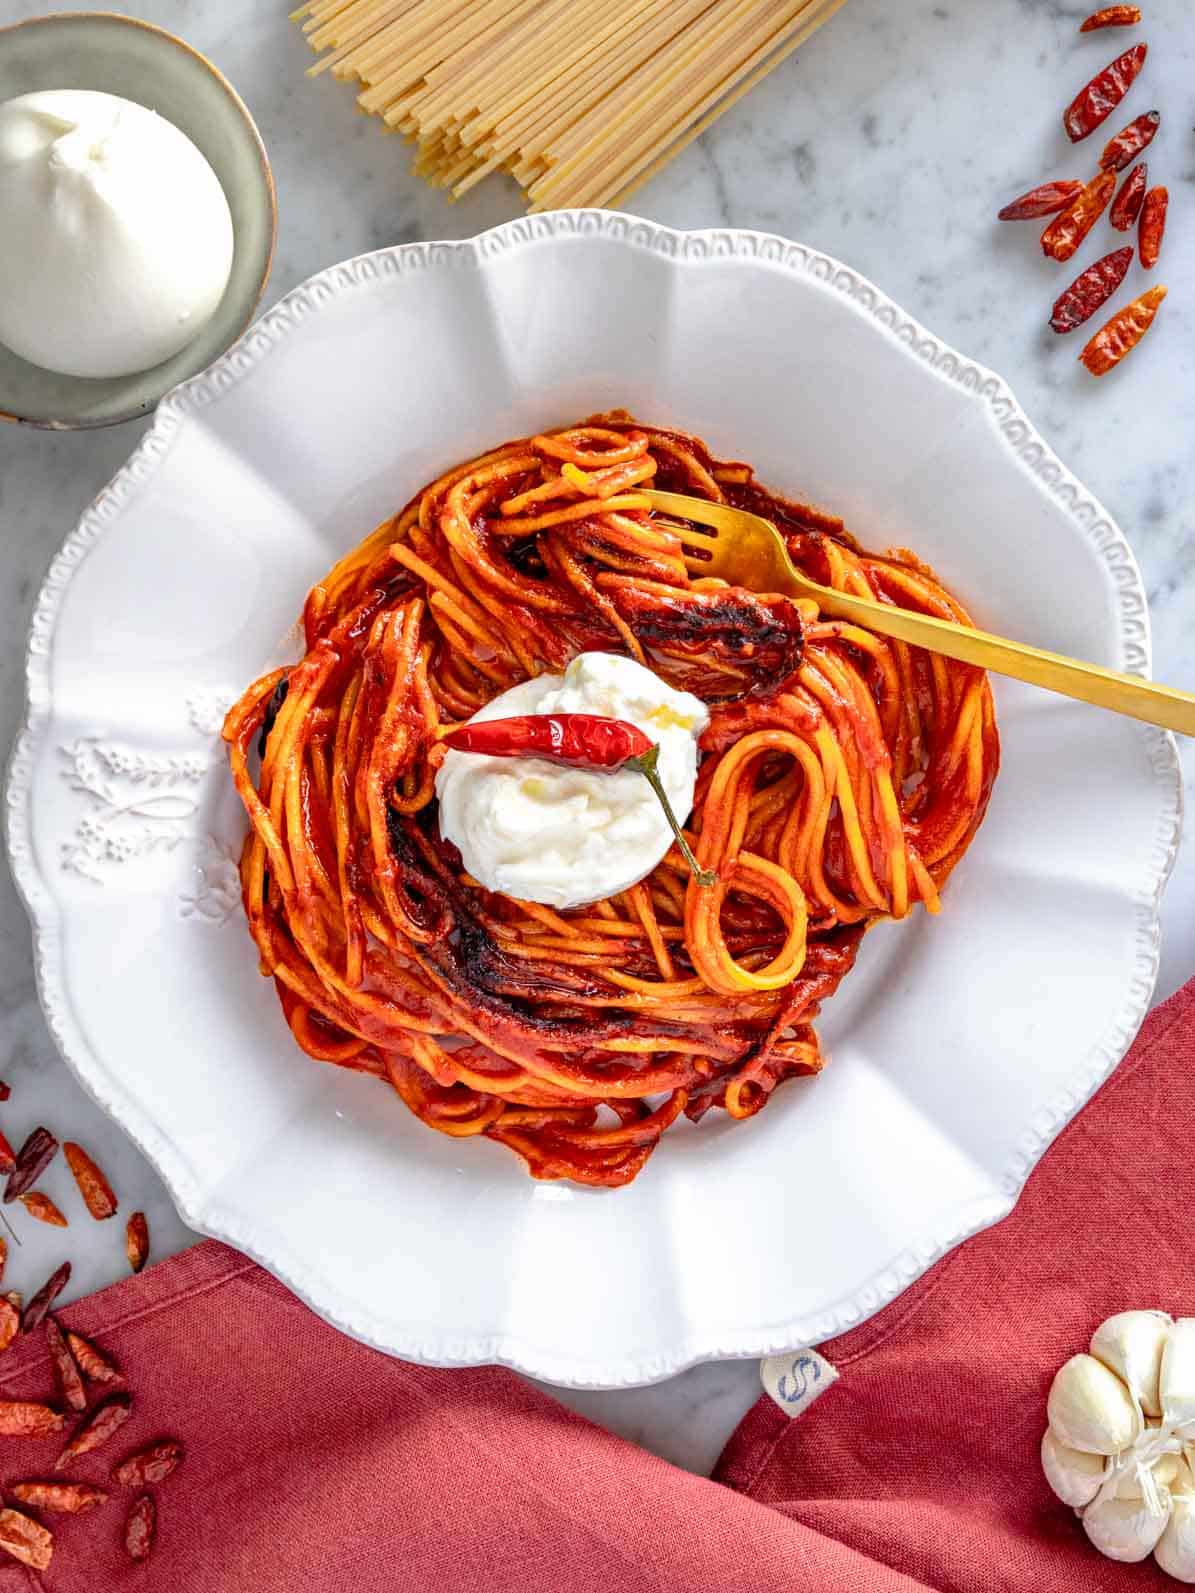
{"points": [[116, 240], [543, 832]]}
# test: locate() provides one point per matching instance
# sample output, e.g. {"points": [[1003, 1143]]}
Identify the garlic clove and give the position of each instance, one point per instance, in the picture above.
{"points": [[1147, 1485], [1073, 1474], [1128, 1486], [1184, 1477], [1090, 1408], [1165, 1470], [1175, 1551], [1177, 1383], [1124, 1529], [1131, 1344]]}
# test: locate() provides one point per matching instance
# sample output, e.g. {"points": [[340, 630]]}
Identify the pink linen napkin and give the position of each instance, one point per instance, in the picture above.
{"points": [[315, 1465]]}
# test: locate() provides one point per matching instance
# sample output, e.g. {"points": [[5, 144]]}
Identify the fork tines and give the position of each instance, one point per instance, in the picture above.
{"points": [[697, 542]]}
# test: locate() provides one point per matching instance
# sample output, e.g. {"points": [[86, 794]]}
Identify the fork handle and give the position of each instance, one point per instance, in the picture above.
{"points": [[1106, 688]]}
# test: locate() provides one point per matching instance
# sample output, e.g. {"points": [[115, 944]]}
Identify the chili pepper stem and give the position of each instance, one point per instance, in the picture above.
{"points": [[647, 764]]}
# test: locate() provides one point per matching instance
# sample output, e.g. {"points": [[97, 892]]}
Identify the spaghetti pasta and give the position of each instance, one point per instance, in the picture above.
{"points": [[580, 102], [843, 776]]}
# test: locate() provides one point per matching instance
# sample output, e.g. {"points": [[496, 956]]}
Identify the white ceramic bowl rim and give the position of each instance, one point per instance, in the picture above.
{"points": [[1024, 445]]}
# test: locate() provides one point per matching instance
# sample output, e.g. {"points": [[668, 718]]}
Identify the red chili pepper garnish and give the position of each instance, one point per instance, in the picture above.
{"points": [[578, 741], [1045, 200], [1153, 225], [1122, 333], [1112, 17], [1130, 141], [1066, 232], [1088, 291], [1103, 94], [1127, 205]]}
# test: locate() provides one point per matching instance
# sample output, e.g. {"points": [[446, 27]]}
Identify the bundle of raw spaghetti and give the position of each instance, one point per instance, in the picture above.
{"points": [[580, 101], [842, 777]]}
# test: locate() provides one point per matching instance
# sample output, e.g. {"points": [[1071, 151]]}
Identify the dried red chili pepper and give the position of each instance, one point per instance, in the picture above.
{"points": [[1111, 17], [1045, 200], [1090, 289], [1099, 98], [3, 1257], [10, 1322], [140, 1527], [66, 1498], [578, 741], [38, 1308], [136, 1241], [5, 1091], [25, 1418], [26, 1540], [1153, 226], [15, 1298], [93, 1186], [43, 1208], [1122, 333], [1130, 141], [1066, 232], [8, 1157], [34, 1156], [1127, 205], [149, 1465], [104, 1420], [93, 1363], [70, 1380]]}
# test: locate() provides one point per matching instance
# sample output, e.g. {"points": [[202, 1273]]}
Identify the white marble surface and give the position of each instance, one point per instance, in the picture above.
{"points": [[889, 140]]}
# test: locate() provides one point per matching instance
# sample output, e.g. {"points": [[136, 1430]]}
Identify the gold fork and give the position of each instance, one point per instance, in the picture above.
{"points": [[744, 549]]}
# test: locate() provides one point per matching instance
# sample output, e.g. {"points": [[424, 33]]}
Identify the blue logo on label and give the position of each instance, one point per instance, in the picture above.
{"points": [[805, 1371]]}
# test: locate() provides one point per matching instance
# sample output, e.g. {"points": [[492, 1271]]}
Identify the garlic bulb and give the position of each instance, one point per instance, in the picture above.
{"points": [[1120, 1445]]}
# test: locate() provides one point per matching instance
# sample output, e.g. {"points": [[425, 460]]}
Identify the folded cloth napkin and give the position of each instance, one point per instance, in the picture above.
{"points": [[315, 1465]]}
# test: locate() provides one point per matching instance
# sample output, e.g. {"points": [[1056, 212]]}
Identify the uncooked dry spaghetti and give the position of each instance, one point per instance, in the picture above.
{"points": [[579, 101], [842, 777]]}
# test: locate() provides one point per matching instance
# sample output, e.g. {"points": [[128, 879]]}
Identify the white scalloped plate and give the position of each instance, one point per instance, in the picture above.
{"points": [[958, 1048]]}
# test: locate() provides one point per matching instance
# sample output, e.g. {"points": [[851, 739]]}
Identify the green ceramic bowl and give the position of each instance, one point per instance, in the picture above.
{"points": [[119, 55]]}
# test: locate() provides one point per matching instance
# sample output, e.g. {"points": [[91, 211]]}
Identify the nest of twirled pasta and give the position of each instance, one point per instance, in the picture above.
{"points": [[842, 777]]}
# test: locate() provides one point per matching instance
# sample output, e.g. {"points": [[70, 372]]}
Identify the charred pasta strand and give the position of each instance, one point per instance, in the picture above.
{"points": [[842, 778]]}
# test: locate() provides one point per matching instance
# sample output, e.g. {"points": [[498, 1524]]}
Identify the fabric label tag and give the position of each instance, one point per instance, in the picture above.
{"points": [[794, 1380]]}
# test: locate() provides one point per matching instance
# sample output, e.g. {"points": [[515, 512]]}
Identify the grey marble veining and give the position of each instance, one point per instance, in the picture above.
{"points": [[889, 140]]}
